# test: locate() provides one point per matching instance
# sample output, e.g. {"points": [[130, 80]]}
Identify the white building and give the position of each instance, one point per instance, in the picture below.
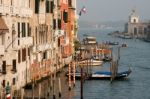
{"points": [[135, 27]]}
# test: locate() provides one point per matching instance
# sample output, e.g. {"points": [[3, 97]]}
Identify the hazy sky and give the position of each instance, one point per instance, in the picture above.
{"points": [[113, 10]]}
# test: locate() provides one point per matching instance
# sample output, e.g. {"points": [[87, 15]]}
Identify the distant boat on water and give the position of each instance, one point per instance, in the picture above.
{"points": [[112, 43], [124, 45], [125, 36]]}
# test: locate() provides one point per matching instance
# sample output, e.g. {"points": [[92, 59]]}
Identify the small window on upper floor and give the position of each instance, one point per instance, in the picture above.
{"points": [[13, 81], [4, 67], [51, 6], [37, 5], [14, 65], [65, 16], [23, 54]]}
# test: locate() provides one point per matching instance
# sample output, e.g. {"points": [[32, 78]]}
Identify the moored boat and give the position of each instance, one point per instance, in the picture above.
{"points": [[108, 75], [112, 43], [102, 75], [91, 62]]}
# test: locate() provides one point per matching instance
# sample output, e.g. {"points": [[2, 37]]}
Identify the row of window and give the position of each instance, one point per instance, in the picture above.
{"points": [[24, 29], [22, 54], [4, 82], [65, 19], [49, 6], [3, 70], [12, 2], [56, 25]]}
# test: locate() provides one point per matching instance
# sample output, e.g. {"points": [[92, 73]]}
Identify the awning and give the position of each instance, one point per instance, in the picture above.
{"points": [[3, 26]]}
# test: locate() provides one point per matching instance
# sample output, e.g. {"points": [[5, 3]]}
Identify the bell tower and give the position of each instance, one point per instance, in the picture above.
{"points": [[134, 18]]}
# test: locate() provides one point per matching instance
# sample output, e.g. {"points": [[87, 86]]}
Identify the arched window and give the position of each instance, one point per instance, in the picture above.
{"points": [[134, 20]]}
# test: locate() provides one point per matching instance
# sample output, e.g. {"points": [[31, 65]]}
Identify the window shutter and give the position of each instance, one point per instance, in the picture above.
{"points": [[47, 6], [51, 6], [14, 65], [37, 3], [59, 24], [54, 23]]}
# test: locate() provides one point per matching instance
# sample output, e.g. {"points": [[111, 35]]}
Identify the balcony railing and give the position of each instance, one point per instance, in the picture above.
{"points": [[13, 10], [43, 47], [26, 12], [26, 41], [4, 9]]}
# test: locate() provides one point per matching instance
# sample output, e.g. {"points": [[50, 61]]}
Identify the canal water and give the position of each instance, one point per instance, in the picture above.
{"points": [[136, 56], [137, 86]]}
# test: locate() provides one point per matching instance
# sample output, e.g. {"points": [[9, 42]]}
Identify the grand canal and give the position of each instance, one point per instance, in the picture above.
{"points": [[136, 86]]}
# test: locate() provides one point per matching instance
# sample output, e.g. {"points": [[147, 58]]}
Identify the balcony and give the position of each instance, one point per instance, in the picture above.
{"points": [[14, 10], [4, 9], [43, 47], [1, 8], [26, 12], [59, 33], [2, 49], [26, 41]]}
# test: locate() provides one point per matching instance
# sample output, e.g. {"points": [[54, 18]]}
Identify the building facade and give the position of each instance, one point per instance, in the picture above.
{"points": [[16, 41], [36, 39]]}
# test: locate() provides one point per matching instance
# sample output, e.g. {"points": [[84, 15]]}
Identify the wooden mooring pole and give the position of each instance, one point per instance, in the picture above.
{"points": [[59, 83], [39, 90], [74, 71], [54, 95], [69, 78], [81, 92], [33, 89]]}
